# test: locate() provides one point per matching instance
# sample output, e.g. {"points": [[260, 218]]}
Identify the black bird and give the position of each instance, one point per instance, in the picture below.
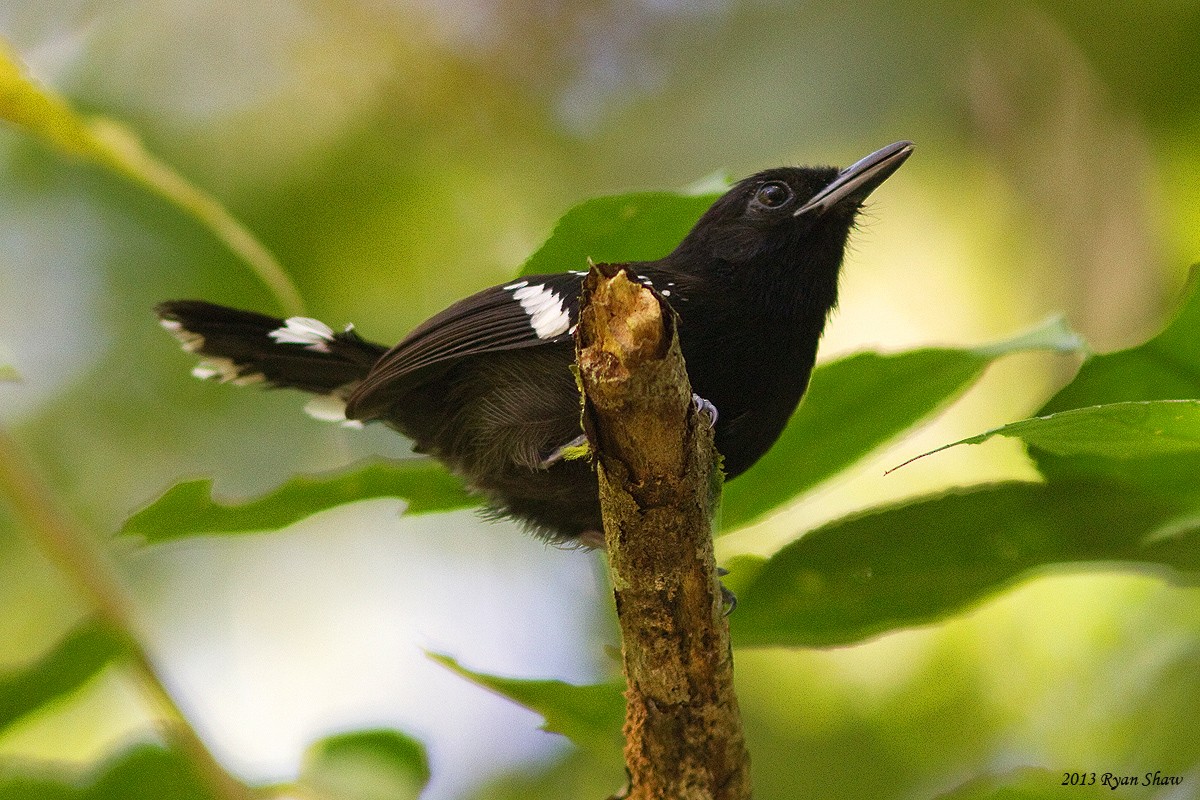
{"points": [[485, 386]]}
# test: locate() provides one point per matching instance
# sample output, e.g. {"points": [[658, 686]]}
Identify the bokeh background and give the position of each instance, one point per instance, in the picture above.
{"points": [[398, 155]]}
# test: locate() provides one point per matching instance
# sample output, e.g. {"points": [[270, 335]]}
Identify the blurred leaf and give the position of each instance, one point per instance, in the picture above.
{"points": [[911, 564], [188, 508], [146, 772], [642, 226], [68, 666], [43, 113], [1167, 367], [1030, 783], [8, 373], [591, 716], [1118, 430], [860, 402], [365, 765]]}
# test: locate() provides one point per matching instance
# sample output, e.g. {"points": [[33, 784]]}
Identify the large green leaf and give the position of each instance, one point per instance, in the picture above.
{"points": [[1137, 429], [630, 227], [915, 563], [365, 765], [70, 664], [188, 508], [591, 716], [146, 772], [1167, 367], [858, 403]]}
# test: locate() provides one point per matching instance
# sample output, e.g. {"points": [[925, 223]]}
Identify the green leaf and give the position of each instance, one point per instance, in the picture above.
{"points": [[365, 765], [146, 772], [1167, 367], [9, 374], [858, 403], [69, 665], [1118, 430], [188, 508], [911, 564], [630, 227], [44, 114], [591, 716]]}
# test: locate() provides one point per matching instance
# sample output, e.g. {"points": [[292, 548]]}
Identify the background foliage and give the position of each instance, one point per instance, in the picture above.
{"points": [[975, 624]]}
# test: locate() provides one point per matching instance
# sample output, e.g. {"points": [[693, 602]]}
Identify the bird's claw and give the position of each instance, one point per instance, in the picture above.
{"points": [[704, 407], [728, 598]]}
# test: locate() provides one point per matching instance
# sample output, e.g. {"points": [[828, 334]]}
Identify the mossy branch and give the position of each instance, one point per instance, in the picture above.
{"points": [[655, 458]]}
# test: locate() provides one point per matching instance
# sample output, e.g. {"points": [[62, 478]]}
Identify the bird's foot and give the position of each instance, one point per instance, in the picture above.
{"points": [[704, 407]]}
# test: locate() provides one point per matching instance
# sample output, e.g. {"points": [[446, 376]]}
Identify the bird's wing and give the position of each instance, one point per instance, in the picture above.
{"points": [[537, 310]]}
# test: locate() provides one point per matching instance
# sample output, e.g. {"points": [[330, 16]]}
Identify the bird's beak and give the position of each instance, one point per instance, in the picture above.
{"points": [[859, 179]]}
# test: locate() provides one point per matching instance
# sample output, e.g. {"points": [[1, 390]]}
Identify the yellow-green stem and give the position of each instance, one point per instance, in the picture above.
{"points": [[82, 563]]}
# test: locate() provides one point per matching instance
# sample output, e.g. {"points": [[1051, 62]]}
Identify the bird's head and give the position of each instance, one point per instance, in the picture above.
{"points": [[788, 222]]}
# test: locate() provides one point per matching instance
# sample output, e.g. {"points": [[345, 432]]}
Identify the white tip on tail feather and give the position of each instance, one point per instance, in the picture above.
{"points": [[330, 408], [312, 333], [225, 371], [189, 340]]}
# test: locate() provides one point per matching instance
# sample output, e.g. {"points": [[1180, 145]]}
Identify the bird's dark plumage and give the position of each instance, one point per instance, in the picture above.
{"points": [[486, 386]]}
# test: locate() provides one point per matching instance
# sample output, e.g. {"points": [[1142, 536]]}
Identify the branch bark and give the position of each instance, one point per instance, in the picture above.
{"points": [[655, 460]]}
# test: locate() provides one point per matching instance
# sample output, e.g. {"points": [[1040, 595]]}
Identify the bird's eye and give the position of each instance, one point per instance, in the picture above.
{"points": [[773, 194]]}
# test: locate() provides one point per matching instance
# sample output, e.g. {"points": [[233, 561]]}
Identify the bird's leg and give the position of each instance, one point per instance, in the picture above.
{"points": [[565, 451]]}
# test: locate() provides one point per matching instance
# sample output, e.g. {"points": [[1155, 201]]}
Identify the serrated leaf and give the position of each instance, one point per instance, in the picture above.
{"points": [[919, 562], [41, 112], [590, 715], [365, 765], [146, 772], [640, 226], [1117, 430], [858, 403], [70, 664], [189, 509]]}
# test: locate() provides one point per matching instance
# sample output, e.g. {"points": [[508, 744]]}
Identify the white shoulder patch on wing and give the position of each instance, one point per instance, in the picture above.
{"points": [[548, 315]]}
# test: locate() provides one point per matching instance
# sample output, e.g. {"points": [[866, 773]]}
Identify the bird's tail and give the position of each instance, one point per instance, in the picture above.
{"points": [[246, 348]]}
